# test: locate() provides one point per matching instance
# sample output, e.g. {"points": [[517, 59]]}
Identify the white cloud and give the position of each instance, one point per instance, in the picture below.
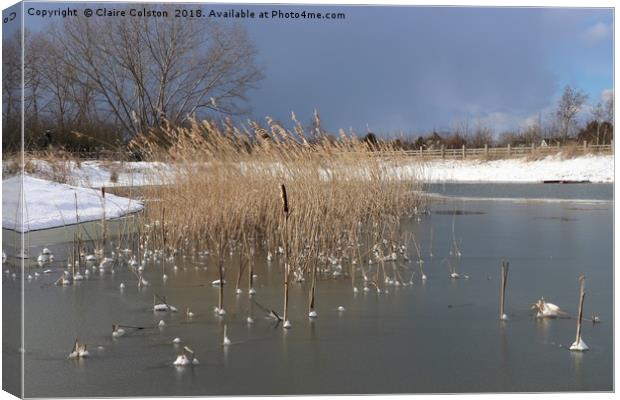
{"points": [[607, 94], [597, 32], [501, 121]]}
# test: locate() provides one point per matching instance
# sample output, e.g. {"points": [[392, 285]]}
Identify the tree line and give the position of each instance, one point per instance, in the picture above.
{"points": [[561, 125], [97, 82]]}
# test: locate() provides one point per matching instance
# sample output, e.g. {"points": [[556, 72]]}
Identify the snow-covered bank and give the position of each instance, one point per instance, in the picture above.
{"points": [[591, 168], [50, 204], [101, 173]]}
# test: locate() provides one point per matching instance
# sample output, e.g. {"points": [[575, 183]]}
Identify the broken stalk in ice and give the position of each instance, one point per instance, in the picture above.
{"points": [[502, 301], [285, 208], [103, 223], [579, 344]]}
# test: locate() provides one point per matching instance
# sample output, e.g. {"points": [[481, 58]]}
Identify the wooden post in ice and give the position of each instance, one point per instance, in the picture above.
{"points": [[311, 311], [585, 146], [287, 323], [486, 149], [443, 151], [579, 344], [582, 295], [463, 151], [502, 293], [508, 149]]}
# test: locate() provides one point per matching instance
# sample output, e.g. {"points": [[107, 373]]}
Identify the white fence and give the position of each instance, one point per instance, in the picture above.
{"points": [[508, 151]]}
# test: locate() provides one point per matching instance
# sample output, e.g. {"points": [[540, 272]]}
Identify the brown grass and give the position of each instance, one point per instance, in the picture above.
{"points": [[571, 150], [343, 198], [57, 166]]}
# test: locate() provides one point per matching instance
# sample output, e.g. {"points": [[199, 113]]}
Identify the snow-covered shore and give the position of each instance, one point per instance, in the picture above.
{"points": [[50, 204], [593, 168], [97, 174]]}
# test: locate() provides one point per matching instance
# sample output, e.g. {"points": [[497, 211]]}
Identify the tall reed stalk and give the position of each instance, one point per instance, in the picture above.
{"points": [[348, 195]]}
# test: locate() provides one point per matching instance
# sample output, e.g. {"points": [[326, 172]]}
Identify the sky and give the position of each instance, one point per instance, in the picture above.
{"points": [[415, 69]]}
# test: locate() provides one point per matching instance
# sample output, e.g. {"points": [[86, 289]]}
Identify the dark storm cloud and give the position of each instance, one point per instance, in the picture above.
{"points": [[413, 68]]}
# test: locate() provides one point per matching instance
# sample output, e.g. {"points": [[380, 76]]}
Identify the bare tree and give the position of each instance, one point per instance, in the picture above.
{"points": [[481, 136], [533, 132], [11, 91], [569, 105], [609, 109], [608, 116], [56, 105], [598, 115], [147, 71], [68, 102]]}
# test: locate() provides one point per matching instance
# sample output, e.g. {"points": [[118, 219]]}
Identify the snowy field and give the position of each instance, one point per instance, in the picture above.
{"points": [[50, 204], [596, 169], [101, 173], [593, 168]]}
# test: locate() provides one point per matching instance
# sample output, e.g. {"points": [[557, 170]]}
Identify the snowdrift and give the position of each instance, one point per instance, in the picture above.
{"points": [[49, 204]]}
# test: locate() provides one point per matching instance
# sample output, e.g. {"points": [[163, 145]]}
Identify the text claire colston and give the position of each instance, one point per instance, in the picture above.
{"points": [[132, 12]]}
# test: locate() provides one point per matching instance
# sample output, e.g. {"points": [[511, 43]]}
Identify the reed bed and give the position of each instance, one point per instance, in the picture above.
{"points": [[345, 200]]}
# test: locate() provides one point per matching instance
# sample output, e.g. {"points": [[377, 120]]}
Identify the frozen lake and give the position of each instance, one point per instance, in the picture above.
{"points": [[441, 335]]}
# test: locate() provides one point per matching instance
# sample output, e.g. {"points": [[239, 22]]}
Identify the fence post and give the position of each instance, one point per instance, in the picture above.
{"points": [[508, 149], [443, 151], [463, 151], [585, 146], [611, 142], [421, 151], [486, 149], [533, 147]]}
